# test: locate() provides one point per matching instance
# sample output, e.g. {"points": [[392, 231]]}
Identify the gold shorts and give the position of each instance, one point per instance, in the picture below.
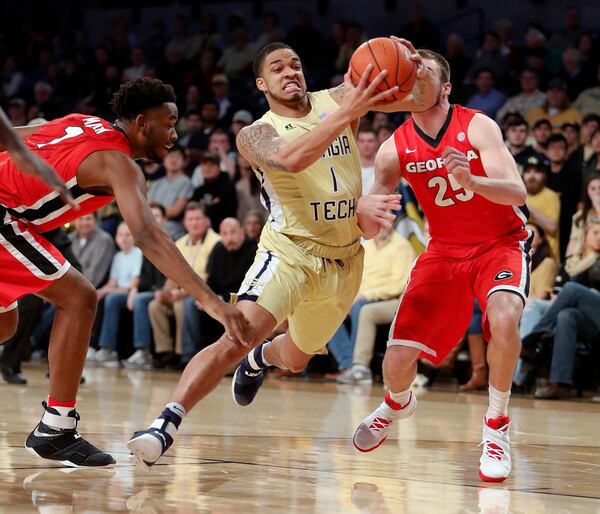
{"points": [[314, 294]]}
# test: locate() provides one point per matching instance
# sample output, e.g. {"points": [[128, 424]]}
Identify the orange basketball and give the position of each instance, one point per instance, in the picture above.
{"points": [[385, 54]]}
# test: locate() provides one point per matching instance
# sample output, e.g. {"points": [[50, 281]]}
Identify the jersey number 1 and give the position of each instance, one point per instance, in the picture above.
{"points": [[69, 133], [334, 178], [442, 184]]}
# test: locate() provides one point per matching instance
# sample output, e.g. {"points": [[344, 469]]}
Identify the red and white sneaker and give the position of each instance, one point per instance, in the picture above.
{"points": [[495, 463], [375, 428]]}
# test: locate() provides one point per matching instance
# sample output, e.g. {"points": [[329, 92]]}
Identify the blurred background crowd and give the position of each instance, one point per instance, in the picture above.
{"points": [[540, 83]]}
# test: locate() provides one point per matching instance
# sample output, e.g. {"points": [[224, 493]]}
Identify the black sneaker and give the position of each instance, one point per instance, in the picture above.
{"points": [[65, 445], [245, 383]]}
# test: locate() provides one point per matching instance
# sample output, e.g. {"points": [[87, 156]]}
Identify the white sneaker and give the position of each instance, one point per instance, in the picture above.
{"points": [[90, 354], [106, 357], [141, 359], [495, 463], [375, 428], [357, 374]]}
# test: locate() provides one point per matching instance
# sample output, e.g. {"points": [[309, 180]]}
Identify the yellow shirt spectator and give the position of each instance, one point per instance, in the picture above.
{"points": [[388, 260], [196, 254]]}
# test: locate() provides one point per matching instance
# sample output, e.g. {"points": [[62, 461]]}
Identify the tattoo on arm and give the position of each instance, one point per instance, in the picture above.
{"points": [[261, 144]]}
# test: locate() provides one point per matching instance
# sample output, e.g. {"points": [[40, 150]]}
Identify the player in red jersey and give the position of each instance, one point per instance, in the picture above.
{"points": [[468, 185], [95, 160], [27, 162]]}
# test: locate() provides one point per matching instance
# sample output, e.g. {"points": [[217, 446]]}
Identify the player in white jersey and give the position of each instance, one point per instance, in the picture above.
{"points": [[309, 262]]}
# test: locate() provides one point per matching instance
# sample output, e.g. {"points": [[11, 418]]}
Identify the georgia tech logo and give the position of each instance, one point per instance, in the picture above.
{"points": [[503, 275]]}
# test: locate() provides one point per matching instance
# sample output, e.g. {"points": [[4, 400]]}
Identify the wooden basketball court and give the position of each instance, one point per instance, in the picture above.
{"points": [[291, 452]]}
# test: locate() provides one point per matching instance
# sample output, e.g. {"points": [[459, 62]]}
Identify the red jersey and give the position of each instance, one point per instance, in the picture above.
{"points": [[64, 143], [455, 215]]}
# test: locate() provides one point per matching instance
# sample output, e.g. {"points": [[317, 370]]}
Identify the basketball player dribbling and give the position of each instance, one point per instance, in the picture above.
{"points": [[309, 261], [95, 160], [470, 190]]}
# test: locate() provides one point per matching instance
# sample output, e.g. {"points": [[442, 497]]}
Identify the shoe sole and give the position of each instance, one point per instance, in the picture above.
{"points": [[139, 456], [67, 463], [367, 450], [491, 479]]}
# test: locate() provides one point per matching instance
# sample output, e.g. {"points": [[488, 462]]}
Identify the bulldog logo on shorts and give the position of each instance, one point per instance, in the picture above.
{"points": [[503, 275]]}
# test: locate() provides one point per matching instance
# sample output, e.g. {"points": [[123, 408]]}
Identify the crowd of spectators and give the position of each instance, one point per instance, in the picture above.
{"points": [[542, 87]]}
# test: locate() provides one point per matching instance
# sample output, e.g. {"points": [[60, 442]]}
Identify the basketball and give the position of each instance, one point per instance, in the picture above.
{"points": [[385, 54]]}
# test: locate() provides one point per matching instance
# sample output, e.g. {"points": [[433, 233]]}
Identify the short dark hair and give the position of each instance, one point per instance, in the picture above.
{"points": [[195, 206], [516, 121], [592, 116], [441, 60], [210, 157], [178, 148], [261, 55], [366, 129], [137, 96], [541, 122], [556, 138], [571, 124], [161, 208], [485, 69]]}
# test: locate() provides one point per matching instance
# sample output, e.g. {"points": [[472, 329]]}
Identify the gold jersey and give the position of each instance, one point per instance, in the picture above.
{"points": [[316, 207]]}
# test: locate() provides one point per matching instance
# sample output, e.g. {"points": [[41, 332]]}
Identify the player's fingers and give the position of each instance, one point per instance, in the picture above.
{"points": [[380, 97], [406, 43], [66, 197], [376, 81], [364, 78], [348, 79], [395, 196]]}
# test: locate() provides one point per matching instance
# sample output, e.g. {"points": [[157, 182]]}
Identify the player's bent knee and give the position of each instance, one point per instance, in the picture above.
{"points": [[399, 357], [504, 324]]}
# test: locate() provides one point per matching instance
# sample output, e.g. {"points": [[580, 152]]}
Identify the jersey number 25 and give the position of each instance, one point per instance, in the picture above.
{"points": [[442, 184]]}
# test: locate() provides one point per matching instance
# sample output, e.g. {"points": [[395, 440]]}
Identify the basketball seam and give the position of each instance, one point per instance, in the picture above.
{"points": [[379, 66]]}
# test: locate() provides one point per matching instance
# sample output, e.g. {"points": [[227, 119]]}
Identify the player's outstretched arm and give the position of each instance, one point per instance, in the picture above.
{"points": [[27, 162], [122, 175], [503, 184], [373, 209], [261, 145]]}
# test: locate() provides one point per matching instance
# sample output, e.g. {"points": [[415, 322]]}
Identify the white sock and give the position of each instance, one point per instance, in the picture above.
{"points": [[401, 398], [177, 408], [262, 349], [498, 403]]}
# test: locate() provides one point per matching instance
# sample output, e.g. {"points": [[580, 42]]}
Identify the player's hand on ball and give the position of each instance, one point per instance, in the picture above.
{"points": [[414, 55], [360, 99], [377, 208], [456, 164]]}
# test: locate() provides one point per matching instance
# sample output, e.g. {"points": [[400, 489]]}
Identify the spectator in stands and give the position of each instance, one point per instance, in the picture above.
{"points": [[384, 132], [542, 202], [477, 352], [556, 109], [459, 64], [589, 125], [17, 112], [567, 38], [173, 191], [272, 31], [574, 74], [529, 98], [93, 248], [353, 38], [210, 37], [254, 222], [156, 43], [209, 113], [217, 192], [124, 276], [181, 42], [565, 179], [590, 210], [388, 259], [589, 53], [571, 317], [247, 188], [191, 125], [221, 93], [227, 265], [138, 65], [516, 136], [588, 101], [236, 60], [241, 119], [220, 144], [572, 134], [487, 98], [490, 56], [592, 165], [151, 280], [366, 141], [542, 129], [305, 38], [543, 265], [195, 246], [12, 77], [420, 30]]}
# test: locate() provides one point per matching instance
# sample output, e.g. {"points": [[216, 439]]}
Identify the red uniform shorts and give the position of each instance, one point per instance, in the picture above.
{"points": [[437, 305], [28, 262]]}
